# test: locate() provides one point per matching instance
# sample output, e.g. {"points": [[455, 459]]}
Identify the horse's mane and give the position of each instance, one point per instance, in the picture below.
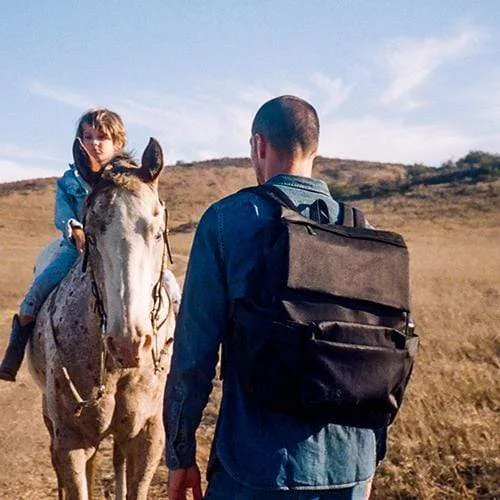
{"points": [[120, 171], [124, 158]]}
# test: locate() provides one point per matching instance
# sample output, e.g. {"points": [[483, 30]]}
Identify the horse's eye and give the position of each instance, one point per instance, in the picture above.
{"points": [[91, 239], [158, 236]]}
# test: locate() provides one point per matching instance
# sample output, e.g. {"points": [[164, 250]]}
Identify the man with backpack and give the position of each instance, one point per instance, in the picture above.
{"points": [[272, 281]]}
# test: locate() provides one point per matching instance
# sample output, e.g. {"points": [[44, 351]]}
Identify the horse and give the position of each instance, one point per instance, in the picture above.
{"points": [[100, 348]]}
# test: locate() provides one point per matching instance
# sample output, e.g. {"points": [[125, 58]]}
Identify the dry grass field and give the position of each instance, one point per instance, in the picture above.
{"points": [[444, 444]]}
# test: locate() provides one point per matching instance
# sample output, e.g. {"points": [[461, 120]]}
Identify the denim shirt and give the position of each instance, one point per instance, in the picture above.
{"points": [[257, 447], [71, 193]]}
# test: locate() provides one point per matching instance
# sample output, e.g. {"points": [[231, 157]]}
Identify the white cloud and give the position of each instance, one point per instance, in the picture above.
{"points": [[255, 96], [372, 139], [488, 100], [17, 162], [411, 62], [192, 127], [215, 121], [334, 91], [59, 94], [15, 171], [18, 152]]}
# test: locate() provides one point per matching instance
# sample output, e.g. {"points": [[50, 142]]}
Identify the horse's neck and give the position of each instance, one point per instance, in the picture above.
{"points": [[74, 297], [76, 310]]}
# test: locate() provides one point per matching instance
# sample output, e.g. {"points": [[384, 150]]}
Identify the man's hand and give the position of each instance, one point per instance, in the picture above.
{"points": [[182, 480], [79, 237]]}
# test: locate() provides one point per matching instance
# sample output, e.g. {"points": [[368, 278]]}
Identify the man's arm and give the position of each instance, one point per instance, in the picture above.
{"points": [[202, 322]]}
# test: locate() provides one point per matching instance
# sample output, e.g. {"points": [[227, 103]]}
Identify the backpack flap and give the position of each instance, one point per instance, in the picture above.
{"points": [[355, 263], [358, 373], [345, 373], [323, 332]]}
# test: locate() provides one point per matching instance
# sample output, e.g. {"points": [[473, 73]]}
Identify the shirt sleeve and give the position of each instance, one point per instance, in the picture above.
{"points": [[64, 212], [202, 322]]}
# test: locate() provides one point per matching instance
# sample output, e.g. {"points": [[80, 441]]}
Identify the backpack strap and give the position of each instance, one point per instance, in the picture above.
{"points": [[346, 216], [351, 216], [318, 211], [273, 193]]}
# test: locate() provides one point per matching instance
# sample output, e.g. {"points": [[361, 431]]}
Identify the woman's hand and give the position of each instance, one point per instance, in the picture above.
{"points": [[78, 236]]}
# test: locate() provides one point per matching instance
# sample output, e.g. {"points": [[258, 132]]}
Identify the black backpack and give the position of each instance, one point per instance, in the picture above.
{"points": [[325, 332]]}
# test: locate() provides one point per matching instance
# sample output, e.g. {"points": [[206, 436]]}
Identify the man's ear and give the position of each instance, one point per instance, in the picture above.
{"points": [[260, 146]]}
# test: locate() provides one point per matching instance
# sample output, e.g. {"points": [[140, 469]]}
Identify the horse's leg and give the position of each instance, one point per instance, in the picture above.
{"points": [[71, 463], [50, 428], [90, 473], [119, 468], [143, 456]]}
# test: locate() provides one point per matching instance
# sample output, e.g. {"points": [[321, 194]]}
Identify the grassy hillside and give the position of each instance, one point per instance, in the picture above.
{"points": [[350, 180], [445, 443]]}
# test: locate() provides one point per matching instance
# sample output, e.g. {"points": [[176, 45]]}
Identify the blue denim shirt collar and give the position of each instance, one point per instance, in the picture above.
{"points": [[298, 182], [305, 193]]}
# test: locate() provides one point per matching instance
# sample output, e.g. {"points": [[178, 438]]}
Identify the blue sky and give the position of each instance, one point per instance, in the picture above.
{"points": [[400, 81]]}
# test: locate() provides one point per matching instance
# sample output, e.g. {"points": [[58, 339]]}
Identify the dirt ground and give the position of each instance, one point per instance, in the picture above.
{"points": [[25, 468], [445, 443]]}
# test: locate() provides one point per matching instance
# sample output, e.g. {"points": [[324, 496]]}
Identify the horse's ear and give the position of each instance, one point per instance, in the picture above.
{"points": [[88, 167], [151, 162]]}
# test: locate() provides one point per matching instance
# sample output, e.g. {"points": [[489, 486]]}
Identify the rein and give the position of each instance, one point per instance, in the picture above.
{"points": [[157, 353], [80, 402], [99, 308]]}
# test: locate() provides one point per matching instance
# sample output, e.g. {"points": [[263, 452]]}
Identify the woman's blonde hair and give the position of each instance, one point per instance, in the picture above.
{"points": [[105, 121]]}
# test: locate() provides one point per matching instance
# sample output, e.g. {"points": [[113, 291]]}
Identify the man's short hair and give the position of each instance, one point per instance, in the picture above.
{"points": [[289, 123]]}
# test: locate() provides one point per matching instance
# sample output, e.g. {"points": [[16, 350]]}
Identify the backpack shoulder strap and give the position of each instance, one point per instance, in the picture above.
{"points": [[272, 193], [351, 216], [359, 217]]}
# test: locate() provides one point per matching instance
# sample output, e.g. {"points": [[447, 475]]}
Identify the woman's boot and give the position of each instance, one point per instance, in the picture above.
{"points": [[14, 355]]}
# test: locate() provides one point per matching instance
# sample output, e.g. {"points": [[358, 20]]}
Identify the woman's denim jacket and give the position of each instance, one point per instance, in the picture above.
{"points": [[71, 193]]}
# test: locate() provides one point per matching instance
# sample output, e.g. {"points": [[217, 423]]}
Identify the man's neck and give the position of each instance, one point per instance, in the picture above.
{"points": [[293, 166], [304, 169]]}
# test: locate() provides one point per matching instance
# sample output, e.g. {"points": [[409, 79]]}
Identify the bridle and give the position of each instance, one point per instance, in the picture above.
{"points": [[99, 308], [154, 314], [156, 352]]}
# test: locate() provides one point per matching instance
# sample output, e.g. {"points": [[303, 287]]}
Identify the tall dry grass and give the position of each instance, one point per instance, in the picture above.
{"points": [[445, 443]]}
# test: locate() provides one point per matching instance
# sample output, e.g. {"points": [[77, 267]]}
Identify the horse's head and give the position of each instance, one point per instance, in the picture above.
{"points": [[125, 224]]}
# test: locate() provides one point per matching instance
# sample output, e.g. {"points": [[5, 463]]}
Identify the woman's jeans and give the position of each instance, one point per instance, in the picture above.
{"points": [[223, 487], [61, 255], [61, 262]]}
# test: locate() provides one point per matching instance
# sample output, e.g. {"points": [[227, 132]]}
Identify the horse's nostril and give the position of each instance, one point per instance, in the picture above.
{"points": [[148, 340]]}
